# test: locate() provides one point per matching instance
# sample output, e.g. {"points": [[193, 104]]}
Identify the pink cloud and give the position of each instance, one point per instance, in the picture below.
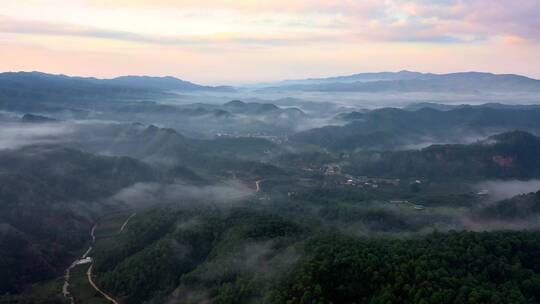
{"points": [[479, 17], [440, 21], [259, 6]]}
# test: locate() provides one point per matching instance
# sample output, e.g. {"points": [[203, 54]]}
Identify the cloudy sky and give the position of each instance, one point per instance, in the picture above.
{"points": [[240, 41]]}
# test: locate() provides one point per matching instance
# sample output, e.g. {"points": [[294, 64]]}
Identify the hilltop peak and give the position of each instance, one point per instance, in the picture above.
{"points": [[514, 136], [234, 103]]}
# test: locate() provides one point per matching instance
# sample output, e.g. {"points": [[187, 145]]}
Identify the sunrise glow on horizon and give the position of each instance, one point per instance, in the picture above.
{"points": [[238, 41]]}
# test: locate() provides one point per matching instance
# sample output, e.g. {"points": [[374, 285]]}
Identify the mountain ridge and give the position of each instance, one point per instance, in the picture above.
{"points": [[406, 81], [165, 83]]}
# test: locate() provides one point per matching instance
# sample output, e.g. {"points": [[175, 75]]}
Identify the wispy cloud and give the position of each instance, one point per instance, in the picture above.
{"points": [[16, 135], [8, 25], [180, 22], [440, 21]]}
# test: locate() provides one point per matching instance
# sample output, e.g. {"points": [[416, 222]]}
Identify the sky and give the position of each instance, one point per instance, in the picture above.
{"points": [[241, 41]]}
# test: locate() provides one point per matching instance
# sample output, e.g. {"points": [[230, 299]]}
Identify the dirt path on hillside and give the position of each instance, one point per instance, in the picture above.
{"points": [[127, 221], [91, 281]]}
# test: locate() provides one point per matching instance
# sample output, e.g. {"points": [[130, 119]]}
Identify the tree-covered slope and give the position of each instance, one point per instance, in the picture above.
{"points": [[395, 128], [48, 200], [507, 155], [498, 267]]}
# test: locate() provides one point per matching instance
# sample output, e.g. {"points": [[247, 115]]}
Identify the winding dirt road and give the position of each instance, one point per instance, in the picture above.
{"points": [[91, 281], [89, 272], [65, 288]]}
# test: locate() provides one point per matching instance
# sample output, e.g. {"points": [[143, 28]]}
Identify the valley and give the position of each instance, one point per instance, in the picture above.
{"points": [[269, 152], [246, 201]]}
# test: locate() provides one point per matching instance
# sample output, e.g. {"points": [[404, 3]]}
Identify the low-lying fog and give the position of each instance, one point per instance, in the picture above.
{"points": [[147, 194], [361, 100], [502, 189], [17, 135]]}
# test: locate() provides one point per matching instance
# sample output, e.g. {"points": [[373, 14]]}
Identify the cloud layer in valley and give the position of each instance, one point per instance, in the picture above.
{"points": [[145, 194], [17, 135]]}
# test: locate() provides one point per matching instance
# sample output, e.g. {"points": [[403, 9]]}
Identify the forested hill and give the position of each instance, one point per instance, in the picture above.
{"points": [[47, 204], [501, 267], [241, 255], [525, 206], [507, 155], [392, 128]]}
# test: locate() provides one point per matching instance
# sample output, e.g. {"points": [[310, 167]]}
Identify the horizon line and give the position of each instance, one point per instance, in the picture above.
{"points": [[260, 82]]}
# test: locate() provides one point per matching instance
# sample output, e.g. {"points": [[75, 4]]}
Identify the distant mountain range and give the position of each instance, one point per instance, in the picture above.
{"points": [[163, 83], [360, 77], [36, 80], [398, 82], [406, 81], [41, 92], [445, 107], [403, 81]]}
